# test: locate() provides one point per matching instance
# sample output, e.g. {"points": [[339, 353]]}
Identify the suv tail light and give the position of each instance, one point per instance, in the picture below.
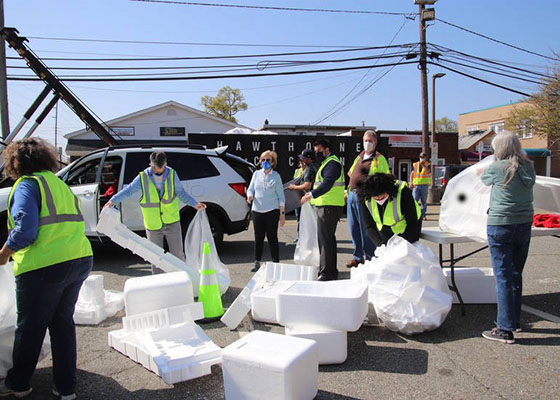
{"points": [[239, 188], [443, 181]]}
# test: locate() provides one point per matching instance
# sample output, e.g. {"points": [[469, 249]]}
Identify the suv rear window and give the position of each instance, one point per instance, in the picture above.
{"points": [[189, 166]]}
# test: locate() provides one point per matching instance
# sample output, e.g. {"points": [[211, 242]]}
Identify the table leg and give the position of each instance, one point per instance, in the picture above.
{"points": [[453, 285]]}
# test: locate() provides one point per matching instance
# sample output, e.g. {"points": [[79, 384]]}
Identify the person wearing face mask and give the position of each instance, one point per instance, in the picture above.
{"points": [[266, 196], [388, 209], [367, 163], [160, 187], [328, 198], [420, 182]]}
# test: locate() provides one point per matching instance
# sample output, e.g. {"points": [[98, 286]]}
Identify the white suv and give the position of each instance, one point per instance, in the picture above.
{"points": [[211, 176]]}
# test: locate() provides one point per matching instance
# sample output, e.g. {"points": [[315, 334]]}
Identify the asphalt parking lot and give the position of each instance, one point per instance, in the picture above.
{"points": [[453, 361]]}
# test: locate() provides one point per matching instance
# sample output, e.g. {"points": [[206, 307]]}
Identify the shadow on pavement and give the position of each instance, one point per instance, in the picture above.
{"points": [[322, 394]]}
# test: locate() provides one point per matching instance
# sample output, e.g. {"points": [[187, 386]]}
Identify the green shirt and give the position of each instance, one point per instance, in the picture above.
{"points": [[511, 203]]}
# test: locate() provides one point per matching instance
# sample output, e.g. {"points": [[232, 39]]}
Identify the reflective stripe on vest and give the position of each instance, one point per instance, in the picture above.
{"points": [[157, 212], [420, 177], [61, 229], [335, 196], [392, 215], [374, 167]]}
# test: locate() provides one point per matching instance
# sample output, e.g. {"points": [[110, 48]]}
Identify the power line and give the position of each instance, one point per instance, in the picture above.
{"points": [[496, 40], [191, 3]]}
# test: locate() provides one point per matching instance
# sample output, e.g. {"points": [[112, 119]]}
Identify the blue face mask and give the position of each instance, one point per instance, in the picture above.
{"points": [[266, 164]]}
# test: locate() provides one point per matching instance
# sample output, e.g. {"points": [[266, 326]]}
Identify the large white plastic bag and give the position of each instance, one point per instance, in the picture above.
{"points": [[409, 293], [465, 203], [199, 232], [307, 248]]}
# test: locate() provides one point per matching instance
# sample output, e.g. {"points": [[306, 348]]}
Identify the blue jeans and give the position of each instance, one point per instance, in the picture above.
{"points": [[420, 194], [363, 245], [509, 246], [46, 298]]}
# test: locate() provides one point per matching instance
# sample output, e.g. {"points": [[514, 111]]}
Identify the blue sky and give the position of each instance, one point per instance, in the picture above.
{"points": [[392, 103]]}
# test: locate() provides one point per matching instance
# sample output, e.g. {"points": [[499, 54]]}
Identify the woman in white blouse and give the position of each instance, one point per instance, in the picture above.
{"points": [[266, 195]]}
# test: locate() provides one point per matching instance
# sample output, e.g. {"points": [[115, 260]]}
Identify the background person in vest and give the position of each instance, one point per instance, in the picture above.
{"points": [[307, 172], [368, 162], [420, 182], [328, 197], [266, 196], [510, 216], [160, 187], [388, 209], [52, 257]]}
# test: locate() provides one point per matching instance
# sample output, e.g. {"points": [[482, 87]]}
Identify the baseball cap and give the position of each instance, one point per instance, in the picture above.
{"points": [[422, 155], [307, 153]]}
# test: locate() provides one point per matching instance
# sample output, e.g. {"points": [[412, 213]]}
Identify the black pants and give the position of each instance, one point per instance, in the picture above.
{"points": [[266, 223], [327, 219]]}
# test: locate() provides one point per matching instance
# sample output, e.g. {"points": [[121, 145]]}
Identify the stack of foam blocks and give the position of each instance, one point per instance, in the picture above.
{"points": [[159, 329]]}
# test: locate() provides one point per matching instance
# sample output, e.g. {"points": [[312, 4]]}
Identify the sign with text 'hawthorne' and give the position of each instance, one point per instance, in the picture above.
{"points": [[288, 147]]}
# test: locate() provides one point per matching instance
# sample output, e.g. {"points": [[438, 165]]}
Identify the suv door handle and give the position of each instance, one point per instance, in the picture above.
{"points": [[88, 193]]}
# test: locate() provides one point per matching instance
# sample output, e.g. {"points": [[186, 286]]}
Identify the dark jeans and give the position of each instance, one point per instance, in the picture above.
{"points": [[266, 223], [45, 299], [363, 245], [327, 219], [509, 246]]}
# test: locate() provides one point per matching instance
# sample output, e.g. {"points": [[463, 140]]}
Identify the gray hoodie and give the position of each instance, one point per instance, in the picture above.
{"points": [[511, 203]]}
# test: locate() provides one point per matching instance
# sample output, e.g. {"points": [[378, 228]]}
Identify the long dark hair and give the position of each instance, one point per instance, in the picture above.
{"points": [[27, 156], [377, 184]]}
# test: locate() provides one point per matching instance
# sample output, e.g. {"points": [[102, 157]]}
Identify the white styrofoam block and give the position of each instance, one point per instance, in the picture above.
{"points": [[476, 285], [94, 303], [264, 365], [92, 290], [290, 272], [156, 292], [263, 301], [333, 305], [333, 345], [242, 303], [162, 318]]}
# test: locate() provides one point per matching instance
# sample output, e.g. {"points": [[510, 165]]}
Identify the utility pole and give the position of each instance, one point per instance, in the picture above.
{"points": [[4, 115], [424, 82], [56, 127]]}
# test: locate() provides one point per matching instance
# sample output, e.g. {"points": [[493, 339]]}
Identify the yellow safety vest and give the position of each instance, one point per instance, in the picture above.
{"points": [[335, 196], [156, 212], [61, 232], [392, 216], [378, 164], [297, 173], [421, 177]]}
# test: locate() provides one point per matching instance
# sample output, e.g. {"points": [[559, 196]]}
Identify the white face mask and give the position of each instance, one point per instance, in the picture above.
{"points": [[381, 202], [368, 146]]}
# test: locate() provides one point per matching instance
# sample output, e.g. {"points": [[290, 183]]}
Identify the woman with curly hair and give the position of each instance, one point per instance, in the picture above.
{"points": [[388, 209], [52, 257]]}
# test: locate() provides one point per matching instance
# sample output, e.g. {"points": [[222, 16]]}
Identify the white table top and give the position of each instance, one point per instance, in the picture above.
{"points": [[434, 234]]}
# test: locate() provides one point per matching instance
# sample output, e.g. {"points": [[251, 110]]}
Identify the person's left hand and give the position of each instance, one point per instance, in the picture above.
{"points": [[292, 187], [4, 258], [200, 206], [480, 170], [305, 198], [282, 220]]}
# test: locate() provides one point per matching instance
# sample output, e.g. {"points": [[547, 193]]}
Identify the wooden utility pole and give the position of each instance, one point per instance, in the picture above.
{"points": [[4, 115], [424, 81]]}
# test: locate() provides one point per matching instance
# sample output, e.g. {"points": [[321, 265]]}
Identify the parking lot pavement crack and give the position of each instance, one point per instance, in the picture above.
{"points": [[457, 366], [100, 354]]}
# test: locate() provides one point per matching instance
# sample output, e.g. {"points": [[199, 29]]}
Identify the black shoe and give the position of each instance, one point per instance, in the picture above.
{"points": [[499, 336], [518, 327], [256, 266], [325, 278]]}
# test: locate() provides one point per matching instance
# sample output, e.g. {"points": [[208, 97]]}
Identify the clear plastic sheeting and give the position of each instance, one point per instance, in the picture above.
{"points": [[199, 232], [465, 204], [406, 287], [307, 248]]}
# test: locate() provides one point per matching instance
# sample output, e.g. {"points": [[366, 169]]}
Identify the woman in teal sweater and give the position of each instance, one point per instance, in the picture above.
{"points": [[510, 217]]}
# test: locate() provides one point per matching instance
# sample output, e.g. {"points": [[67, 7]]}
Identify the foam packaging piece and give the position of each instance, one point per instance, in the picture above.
{"points": [[546, 193], [156, 292], [264, 365], [95, 303], [337, 305], [263, 301], [290, 272], [332, 344], [476, 285]]}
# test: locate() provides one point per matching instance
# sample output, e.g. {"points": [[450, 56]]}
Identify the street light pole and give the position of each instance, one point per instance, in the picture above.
{"points": [[433, 196]]}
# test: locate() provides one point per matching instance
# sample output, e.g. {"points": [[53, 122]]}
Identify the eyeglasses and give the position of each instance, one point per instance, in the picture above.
{"points": [[266, 159]]}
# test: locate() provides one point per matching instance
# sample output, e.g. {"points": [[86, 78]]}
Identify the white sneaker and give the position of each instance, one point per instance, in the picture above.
{"points": [[6, 391], [64, 397]]}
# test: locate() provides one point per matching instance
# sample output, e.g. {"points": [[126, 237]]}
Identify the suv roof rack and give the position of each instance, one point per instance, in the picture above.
{"points": [[152, 145]]}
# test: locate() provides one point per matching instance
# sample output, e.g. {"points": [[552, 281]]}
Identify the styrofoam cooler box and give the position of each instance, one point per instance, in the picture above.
{"points": [[333, 305], [476, 285], [155, 292], [290, 272], [264, 365], [263, 301], [333, 345]]}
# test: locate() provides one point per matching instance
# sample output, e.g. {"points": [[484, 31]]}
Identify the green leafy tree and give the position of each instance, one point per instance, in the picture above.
{"points": [[445, 124], [541, 112], [225, 104]]}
